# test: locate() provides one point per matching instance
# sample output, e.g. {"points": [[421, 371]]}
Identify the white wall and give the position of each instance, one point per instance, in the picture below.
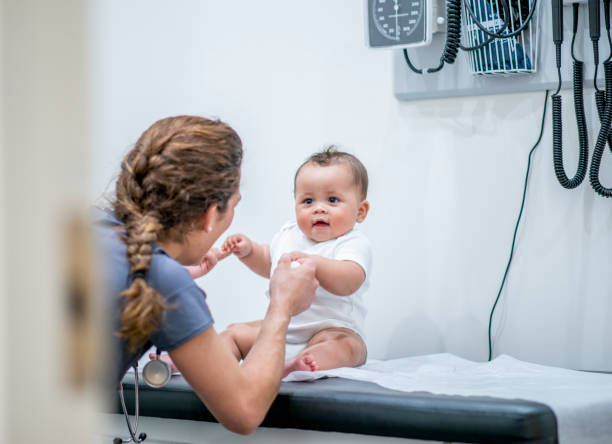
{"points": [[446, 175]]}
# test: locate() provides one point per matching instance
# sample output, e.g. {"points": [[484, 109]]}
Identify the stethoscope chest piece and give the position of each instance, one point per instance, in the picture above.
{"points": [[156, 373]]}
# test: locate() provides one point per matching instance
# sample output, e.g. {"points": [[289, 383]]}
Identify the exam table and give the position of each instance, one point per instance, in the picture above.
{"points": [[358, 408]]}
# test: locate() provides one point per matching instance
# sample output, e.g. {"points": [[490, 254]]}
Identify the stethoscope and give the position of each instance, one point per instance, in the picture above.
{"points": [[156, 373]]}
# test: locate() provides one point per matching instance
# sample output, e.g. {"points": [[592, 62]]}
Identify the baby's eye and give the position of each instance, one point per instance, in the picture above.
{"points": [[333, 199], [307, 201]]}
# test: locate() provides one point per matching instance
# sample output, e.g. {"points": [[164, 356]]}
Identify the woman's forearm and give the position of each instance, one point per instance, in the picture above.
{"points": [[239, 396], [264, 364]]}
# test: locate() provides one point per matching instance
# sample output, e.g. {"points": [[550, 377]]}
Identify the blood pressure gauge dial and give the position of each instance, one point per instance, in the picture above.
{"points": [[402, 23]]}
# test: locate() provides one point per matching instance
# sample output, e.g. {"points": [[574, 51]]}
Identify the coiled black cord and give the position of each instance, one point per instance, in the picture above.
{"points": [[604, 110], [453, 36], [600, 96], [602, 137], [607, 21], [501, 287], [453, 33], [600, 101], [583, 156]]}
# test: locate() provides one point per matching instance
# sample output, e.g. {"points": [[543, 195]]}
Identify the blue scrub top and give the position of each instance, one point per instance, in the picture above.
{"points": [[189, 315]]}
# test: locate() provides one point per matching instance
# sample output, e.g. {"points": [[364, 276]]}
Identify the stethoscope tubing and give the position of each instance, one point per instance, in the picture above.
{"points": [[133, 431]]}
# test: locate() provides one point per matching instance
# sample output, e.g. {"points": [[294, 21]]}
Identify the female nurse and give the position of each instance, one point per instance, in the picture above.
{"points": [[175, 196]]}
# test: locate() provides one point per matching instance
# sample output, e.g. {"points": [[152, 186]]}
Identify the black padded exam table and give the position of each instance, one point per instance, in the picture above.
{"points": [[342, 405]]}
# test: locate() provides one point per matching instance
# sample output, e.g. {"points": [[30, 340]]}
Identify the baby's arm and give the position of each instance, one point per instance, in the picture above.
{"points": [[341, 278], [211, 258], [253, 255]]}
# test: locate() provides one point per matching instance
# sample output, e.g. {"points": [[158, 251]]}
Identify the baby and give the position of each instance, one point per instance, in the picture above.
{"points": [[330, 198]]}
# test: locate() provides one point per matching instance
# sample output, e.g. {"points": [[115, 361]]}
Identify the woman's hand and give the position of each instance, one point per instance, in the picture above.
{"points": [[238, 244], [297, 256], [293, 287], [239, 395], [211, 258]]}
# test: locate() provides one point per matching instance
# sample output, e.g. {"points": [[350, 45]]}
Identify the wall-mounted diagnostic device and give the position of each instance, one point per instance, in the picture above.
{"points": [[602, 97], [498, 32], [500, 38], [401, 23], [408, 23]]}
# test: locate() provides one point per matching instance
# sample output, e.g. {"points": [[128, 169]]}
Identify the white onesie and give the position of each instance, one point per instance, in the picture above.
{"points": [[327, 310]]}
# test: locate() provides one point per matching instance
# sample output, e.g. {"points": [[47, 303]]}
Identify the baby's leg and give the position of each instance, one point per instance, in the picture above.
{"points": [[240, 337], [329, 348]]}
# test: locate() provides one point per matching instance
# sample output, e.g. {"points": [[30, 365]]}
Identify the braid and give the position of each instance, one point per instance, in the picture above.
{"points": [[143, 306], [178, 168]]}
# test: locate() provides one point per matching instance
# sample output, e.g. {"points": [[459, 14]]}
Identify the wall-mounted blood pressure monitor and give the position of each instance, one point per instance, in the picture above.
{"points": [[398, 23]]}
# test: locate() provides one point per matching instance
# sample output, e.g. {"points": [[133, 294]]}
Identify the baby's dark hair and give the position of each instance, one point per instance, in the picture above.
{"points": [[331, 155]]}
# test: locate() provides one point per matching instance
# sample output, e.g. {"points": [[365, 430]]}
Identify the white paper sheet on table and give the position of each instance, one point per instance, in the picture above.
{"points": [[582, 401]]}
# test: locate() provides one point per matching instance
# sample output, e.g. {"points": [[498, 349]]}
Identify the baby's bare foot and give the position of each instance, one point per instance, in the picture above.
{"points": [[305, 363]]}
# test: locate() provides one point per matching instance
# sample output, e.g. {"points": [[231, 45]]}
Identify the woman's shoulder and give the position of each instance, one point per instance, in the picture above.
{"points": [[167, 275]]}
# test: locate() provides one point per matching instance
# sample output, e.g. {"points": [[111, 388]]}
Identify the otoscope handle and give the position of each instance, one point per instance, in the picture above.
{"points": [[557, 20], [575, 10], [594, 21]]}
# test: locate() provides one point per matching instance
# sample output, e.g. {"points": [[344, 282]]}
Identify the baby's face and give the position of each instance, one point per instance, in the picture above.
{"points": [[327, 201]]}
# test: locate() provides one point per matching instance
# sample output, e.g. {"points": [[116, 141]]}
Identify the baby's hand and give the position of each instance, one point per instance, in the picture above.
{"points": [[211, 258], [238, 244]]}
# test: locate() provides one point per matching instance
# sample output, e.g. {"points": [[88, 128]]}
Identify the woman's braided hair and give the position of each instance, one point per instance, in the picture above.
{"points": [[178, 168]]}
